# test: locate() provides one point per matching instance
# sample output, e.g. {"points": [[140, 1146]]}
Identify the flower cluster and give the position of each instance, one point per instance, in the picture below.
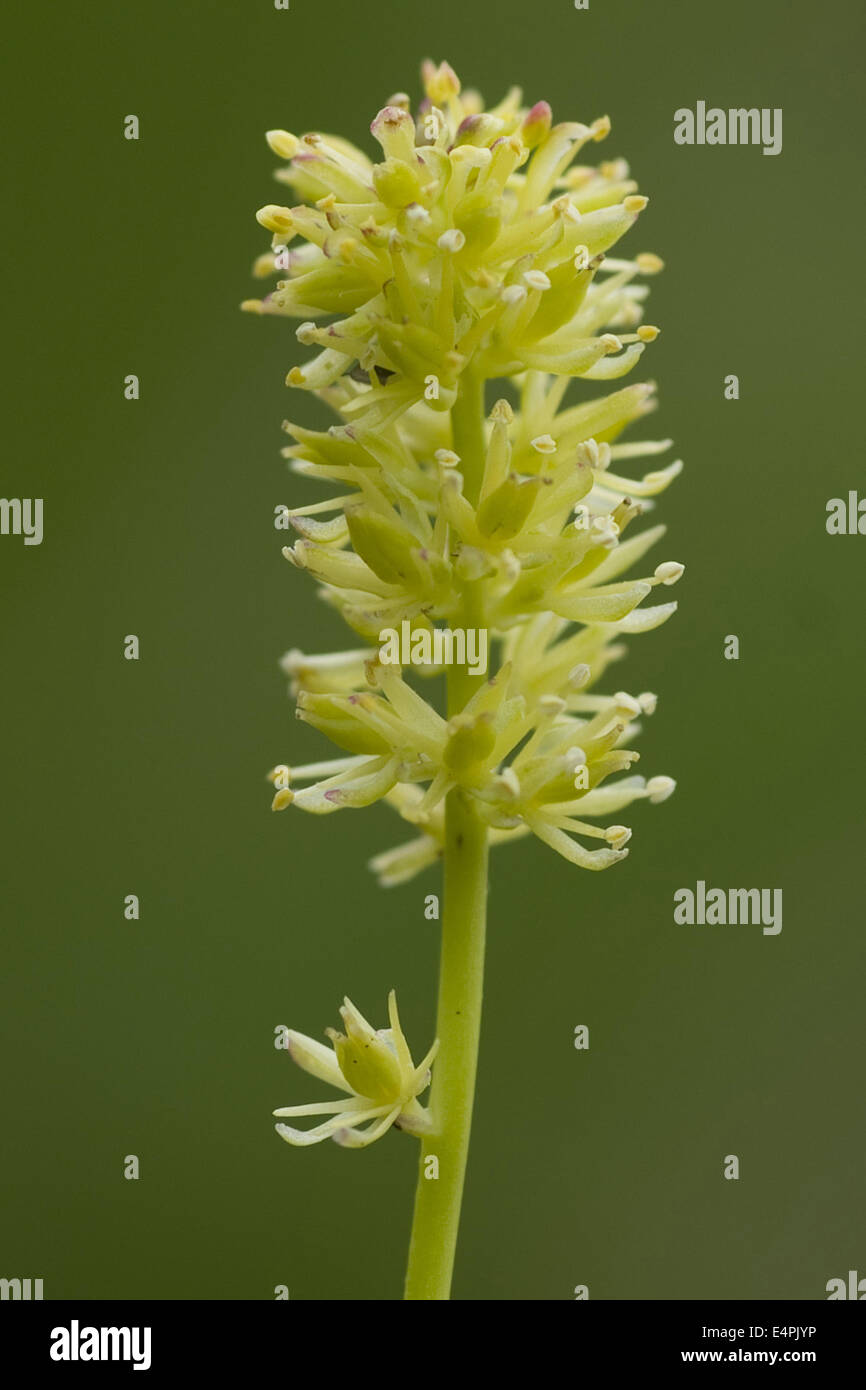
{"points": [[473, 252], [377, 1071]]}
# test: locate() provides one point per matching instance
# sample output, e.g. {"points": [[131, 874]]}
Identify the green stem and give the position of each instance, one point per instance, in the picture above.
{"points": [[461, 973], [438, 1198], [467, 432]]}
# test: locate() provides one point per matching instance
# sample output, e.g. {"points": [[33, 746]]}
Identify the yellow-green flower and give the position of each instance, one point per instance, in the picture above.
{"points": [[475, 250], [375, 1068]]}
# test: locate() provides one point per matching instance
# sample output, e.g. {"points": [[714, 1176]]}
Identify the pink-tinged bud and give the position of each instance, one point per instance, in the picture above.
{"points": [[480, 129], [395, 131], [537, 124]]}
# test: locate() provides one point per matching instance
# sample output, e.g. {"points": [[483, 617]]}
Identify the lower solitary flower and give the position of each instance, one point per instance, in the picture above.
{"points": [[375, 1067]]}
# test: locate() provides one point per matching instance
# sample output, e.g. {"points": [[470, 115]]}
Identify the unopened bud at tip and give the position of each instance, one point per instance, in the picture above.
{"points": [[440, 82]]}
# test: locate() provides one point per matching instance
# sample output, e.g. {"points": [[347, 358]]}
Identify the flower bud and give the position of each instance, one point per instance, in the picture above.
{"points": [[394, 129], [282, 143], [536, 124], [276, 219], [503, 513]]}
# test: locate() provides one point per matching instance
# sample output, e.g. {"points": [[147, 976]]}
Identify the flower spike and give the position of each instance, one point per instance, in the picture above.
{"points": [[468, 319], [478, 247]]}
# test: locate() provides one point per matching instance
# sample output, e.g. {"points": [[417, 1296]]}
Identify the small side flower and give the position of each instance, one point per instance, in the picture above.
{"points": [[374, 1069]]}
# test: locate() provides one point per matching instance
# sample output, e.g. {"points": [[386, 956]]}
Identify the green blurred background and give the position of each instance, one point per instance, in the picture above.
{"points": [[156, 1037]]}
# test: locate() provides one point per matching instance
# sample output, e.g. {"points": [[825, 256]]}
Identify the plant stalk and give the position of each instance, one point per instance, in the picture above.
{"points": [[439, 1193]]}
